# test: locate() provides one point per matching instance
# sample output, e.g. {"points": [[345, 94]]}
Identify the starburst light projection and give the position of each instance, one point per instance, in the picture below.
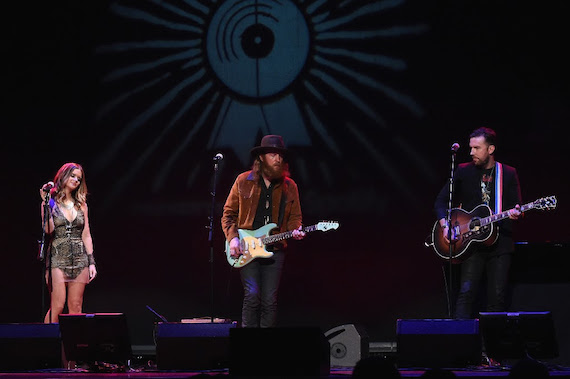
{"points": [[215, 75]]}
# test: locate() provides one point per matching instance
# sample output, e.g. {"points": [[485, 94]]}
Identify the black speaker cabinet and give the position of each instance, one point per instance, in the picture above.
{"points": [[349, 344], [25, 347], [290, 351], [192, 346], [438, 343], [91, 337], [514, 335]]}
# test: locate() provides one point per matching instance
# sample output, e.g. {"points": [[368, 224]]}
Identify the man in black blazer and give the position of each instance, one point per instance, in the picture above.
{"points": [[483, 181]]}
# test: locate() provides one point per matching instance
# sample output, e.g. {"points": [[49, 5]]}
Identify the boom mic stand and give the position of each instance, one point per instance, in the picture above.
{"points": [[210, 228]]}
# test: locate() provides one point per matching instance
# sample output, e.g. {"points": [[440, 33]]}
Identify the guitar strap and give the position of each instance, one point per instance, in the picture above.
{"points": [[498, 187]]}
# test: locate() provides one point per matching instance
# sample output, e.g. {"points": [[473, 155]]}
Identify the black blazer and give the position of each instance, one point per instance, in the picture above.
{"points": [[467, 195]]}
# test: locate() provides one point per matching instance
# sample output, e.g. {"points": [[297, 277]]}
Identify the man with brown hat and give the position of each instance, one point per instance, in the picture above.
{"points": [[265, 194]]}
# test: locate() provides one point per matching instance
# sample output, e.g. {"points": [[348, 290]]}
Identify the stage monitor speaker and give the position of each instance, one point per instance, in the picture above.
{"points": [[25, 347], [518, 334], [95, 337], [348, 345], [279, 352], [193, 346], [438, 343]]}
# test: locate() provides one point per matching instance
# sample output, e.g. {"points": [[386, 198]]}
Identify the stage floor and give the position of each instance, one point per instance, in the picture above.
{"points": [[143, 365], [341, 372]]}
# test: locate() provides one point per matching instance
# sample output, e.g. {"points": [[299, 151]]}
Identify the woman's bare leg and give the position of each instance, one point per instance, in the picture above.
{"points": [[75, 292], [57, 297]]}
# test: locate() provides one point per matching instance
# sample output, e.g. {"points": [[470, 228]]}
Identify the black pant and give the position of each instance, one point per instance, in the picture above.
{"points": [[260, 280], [497, 269]]}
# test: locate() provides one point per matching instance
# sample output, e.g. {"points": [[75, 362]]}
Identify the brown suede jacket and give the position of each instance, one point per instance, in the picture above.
{"points": [[241, 205]]}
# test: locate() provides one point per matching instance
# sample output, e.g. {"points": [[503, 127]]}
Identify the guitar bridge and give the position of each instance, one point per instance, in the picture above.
{"points": [[476, 231]]}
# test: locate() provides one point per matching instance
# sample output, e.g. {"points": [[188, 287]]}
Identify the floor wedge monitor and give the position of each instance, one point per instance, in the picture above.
{"points": [[438, 343]]}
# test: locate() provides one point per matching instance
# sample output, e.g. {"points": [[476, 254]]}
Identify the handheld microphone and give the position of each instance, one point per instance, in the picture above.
{"points": [[455, 147], [218, 157], [48, 186]]}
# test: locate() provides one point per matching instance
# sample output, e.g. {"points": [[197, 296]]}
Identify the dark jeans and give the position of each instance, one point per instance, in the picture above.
{"points": [[260, 280], [496, 268]]}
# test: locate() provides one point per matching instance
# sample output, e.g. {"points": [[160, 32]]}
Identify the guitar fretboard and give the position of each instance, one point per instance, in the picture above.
{"points": [[285, 235], [499, 216]]}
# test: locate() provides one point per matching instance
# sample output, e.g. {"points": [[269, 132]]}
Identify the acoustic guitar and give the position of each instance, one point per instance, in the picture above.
{"points": [[477, 226]]}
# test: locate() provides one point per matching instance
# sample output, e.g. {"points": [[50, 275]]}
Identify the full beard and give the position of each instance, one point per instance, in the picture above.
{"points": [[272, 172]]}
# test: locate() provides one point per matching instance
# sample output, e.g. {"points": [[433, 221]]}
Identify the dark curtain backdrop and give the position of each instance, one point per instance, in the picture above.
{"points": [[128, 90]]}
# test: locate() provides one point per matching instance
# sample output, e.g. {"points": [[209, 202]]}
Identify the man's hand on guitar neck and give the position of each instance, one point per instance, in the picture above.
{"points": [[515, 213], [298, 234], [235, 248]]}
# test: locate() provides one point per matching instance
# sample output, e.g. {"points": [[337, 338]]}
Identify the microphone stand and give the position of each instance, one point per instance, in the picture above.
{"points": [[42, 249], [211, 237], [449, 227], [44, 252]]}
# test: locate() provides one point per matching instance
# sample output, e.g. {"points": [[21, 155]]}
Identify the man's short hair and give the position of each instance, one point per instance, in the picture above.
{"points": [[488, 133]]}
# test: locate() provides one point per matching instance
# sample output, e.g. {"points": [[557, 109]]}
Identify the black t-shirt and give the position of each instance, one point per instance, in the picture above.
{"points": [[488, 187], [263, 213]]}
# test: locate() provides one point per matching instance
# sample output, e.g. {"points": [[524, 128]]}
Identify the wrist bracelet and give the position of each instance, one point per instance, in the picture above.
{"points": [[91, 259]]}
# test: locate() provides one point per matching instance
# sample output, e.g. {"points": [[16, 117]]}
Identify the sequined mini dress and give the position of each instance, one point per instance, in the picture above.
{"points": [[67, 251]]}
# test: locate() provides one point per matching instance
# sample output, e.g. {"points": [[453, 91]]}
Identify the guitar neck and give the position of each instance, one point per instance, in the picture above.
{"points": [[499, 216], [285, 235]]}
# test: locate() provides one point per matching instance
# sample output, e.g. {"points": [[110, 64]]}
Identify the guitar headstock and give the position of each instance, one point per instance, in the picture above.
{"points": [[323, 226], [545, 203]]}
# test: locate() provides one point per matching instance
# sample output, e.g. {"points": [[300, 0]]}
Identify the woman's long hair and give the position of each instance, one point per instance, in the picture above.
{"points": [[79, 194]]}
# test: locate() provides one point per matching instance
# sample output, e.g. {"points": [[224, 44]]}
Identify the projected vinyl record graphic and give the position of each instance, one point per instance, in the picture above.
{"points": [[257, 48], [185, 77], [257, 41]]}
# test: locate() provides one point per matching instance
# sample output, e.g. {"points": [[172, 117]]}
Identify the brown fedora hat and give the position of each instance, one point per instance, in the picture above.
{"points": [[270, 144]]}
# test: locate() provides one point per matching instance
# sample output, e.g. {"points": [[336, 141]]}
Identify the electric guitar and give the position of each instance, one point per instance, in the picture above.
{"points": [[253, 242], [475, 226]]}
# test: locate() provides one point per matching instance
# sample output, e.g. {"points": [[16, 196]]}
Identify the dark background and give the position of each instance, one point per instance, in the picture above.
{"points": [[478, 63]]}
